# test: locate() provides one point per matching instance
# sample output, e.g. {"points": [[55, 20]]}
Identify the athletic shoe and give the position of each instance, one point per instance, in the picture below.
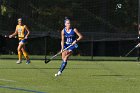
{"points": [[28, 62], [19, 62], [58, 74]]}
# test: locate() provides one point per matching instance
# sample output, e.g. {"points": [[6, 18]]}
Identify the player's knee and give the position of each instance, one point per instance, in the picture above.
{"points": [[63, 58], [22, 50], [18, 49], [66, 57], [63, 55]]}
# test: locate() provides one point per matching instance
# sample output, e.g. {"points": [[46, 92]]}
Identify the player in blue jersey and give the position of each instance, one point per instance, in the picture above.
{"points": [[68, 37]]}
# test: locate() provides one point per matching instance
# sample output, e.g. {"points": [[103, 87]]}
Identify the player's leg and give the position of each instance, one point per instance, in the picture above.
{"points": [[25, 55], [19, 53], [65, 56]]}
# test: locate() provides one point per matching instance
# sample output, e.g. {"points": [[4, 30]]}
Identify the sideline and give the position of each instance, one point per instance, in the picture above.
{"points": [[21, 89]]}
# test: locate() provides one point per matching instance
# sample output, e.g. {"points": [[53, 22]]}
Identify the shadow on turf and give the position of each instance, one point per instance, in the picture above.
{"points": [[47, 68], [112, 75]]}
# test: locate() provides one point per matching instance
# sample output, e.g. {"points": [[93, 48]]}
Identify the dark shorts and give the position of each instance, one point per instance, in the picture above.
{"points": [[24, 41], [72, 48]]}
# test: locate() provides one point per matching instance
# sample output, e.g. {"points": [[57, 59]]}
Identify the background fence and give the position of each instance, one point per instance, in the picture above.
{"points": [[110, 27]]}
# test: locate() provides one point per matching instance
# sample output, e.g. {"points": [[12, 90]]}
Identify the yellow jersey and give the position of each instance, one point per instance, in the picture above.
{"points": [[21, 31]]}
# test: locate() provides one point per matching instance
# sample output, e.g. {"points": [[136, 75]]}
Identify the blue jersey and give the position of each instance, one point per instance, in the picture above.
{"points": [[69, 37]]}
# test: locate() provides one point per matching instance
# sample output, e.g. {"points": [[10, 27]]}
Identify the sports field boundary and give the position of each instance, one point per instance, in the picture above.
{"points": [[76, 58], [21, 89]]}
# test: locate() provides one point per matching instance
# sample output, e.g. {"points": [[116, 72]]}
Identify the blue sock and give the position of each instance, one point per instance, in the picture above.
{"points": [[63, 65]]}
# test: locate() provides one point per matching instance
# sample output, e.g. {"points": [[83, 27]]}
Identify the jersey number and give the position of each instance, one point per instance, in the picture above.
{"points": [[20, 32], [69, 40]]}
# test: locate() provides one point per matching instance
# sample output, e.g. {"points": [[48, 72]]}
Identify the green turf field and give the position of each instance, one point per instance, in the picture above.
{"points": [[87, 58], [79, 77]]}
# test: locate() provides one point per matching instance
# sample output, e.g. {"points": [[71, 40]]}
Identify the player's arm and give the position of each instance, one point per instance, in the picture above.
{"points": [[62, 40], [139, 32], [28, 32], [80, 36], [139, 29], [14, 34]]}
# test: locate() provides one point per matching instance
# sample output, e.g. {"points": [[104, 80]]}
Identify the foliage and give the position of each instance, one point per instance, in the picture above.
{"points": [[88, 15]]}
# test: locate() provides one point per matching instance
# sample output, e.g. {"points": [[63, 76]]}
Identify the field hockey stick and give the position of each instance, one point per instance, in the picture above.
{"points": [[48, 60], [132, 50], [6, 36]]}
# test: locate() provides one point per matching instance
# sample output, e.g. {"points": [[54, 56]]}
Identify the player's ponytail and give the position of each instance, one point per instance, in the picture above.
{"points": [[19, 19], [66, 19]]}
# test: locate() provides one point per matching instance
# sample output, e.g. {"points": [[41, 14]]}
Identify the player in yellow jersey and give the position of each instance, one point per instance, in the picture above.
{"points": [[23, 32]]}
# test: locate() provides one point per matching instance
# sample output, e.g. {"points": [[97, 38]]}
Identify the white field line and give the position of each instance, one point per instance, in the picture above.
{"points": [[6, 80]]}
